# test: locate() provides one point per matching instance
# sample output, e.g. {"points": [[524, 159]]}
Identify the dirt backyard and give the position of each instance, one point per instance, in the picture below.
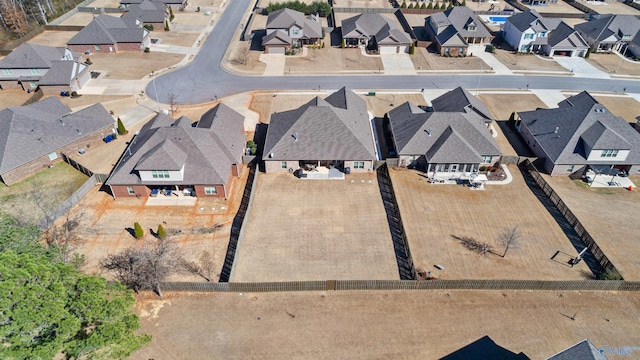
{"points": [[609, 215], [204, 226], [438, 217], [315, 230], [384, 325]]}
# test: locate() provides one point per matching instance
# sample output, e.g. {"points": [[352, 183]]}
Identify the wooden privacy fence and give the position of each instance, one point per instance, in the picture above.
{"points": [[588, 240], [348, 285]]}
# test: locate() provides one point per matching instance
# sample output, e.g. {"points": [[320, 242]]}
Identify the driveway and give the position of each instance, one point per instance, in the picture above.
{"points": [[499, 68], [581, 68], [397, 64]]}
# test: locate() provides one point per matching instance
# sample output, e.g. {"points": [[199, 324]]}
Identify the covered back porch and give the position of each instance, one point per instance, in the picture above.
{"points": [[322, 169]]}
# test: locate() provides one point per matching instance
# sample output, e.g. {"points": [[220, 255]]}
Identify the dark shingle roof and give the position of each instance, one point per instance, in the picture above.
{"points": [[583, 350], [43, 127], [278, 37], [601, 27], [560, 132], [384, 29], [335, 128], [206, 151], [106, 30], [147, 12], [442, 136], [452, 26], [27, 56], [460, 100]]}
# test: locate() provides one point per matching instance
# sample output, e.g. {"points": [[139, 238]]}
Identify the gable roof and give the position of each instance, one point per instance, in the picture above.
{"points": [[583, 350], [601, 27], [460, 100], [454, 23], [559, 131], [62, 73], [441, 136], [108, 30], [278, 37], [385, 30], [41, 128], [530, 19], [565, 36], [206, 151], [147, 12], [286, 18], [28, 56], [336, 128]]}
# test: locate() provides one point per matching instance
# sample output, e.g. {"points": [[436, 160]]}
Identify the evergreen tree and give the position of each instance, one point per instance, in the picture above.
{"points": [[138, 231], [404, 4], [121, 129], [162, 233]]}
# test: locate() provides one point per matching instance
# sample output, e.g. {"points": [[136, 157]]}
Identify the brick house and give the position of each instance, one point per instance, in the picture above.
{"points": [[35, 136], [375, 32], [453, 30], [148, 12], [184, 157], [288, 28], [110, 34]]}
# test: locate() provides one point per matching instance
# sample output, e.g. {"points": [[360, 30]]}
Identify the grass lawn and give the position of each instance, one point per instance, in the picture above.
{"points": [[55, 185]]}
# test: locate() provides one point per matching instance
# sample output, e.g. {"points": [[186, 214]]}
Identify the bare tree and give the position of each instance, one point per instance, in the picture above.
{"points": [[243, 54], [508, 238], [474, 245], [203, 267], [173, 103], [145, 267]]}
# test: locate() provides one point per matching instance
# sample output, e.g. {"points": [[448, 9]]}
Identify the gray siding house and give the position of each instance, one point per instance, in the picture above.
{"points": [[327, 136], [453, 30], [110, 34], [375, 32], [441, 142], [288, 28], [30, 66], [580, 132], [609, 32]]}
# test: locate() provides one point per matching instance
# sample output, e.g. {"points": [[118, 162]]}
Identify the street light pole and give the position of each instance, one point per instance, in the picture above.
{"points": [[622, 58], [153, 81]]}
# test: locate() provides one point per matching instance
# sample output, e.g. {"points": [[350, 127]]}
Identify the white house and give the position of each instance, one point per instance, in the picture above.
{"points": [[530, 32]]}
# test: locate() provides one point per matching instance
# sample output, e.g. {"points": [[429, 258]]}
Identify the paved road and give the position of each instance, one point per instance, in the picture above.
{"points": [[204, 79]]}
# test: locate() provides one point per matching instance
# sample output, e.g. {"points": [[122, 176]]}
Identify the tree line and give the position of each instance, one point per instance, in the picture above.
{"points": [[323, 9]]}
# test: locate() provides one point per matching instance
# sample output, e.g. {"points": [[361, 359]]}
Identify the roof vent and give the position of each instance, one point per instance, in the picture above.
{"points": [[62, 121], [78, 131], [556, 130], [272, 155], [428, 131], [295, 136]]}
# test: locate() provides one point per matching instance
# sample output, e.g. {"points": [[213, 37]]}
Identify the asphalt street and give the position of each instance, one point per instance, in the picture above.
{"points": [[204, 79]]}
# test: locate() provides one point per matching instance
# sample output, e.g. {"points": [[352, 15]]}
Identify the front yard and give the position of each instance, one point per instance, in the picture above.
{"points": [[612, 63]]}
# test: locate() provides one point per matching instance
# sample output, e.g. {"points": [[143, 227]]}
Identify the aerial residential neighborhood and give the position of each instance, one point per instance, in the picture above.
{"points": [[309, 179]]}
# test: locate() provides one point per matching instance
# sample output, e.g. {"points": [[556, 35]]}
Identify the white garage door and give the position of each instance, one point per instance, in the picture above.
{"points": [[388, 49], [276, 50]]}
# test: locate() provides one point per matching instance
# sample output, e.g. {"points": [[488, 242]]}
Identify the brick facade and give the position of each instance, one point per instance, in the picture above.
{"points": [[33, 166], [10, 85], [107, 48]]}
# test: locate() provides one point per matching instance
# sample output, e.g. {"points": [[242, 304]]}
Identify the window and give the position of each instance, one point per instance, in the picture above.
{"points": [[295, 31], [7, 71], [486, 159], [626, 36], [97, 47], [35, 72], [569, 168], [609, 153], [130, 190], [33, 85], [528, 36], [159, 174], [283, 165], [542, 34], [471, 27], [523, 48], [358, 164], [210, 190]]}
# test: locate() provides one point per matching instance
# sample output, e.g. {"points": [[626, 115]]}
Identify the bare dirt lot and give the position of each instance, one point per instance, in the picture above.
{"points": [[195, 229], [613, 7], [610, 216], [115, 103], [54, 185], [612, 63], [178, 38], [526, 62], [132, 65], [425, 60], [53, 38], [381, 103], [627, 108], [434, 214], [13, 97], [334, 60], [559, 7], [383, 325], [79, 19], [502, 105], [315, 230], [371, 4]]}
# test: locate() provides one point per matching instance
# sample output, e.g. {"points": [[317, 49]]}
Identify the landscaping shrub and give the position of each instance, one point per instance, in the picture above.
{"points": [[149, 27], [198, 9], [166, 26], [430, 6], [121, 129], [147, 49], [412, 49], [171, 16], [404, 5], [138, 232], [161, 233]]}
